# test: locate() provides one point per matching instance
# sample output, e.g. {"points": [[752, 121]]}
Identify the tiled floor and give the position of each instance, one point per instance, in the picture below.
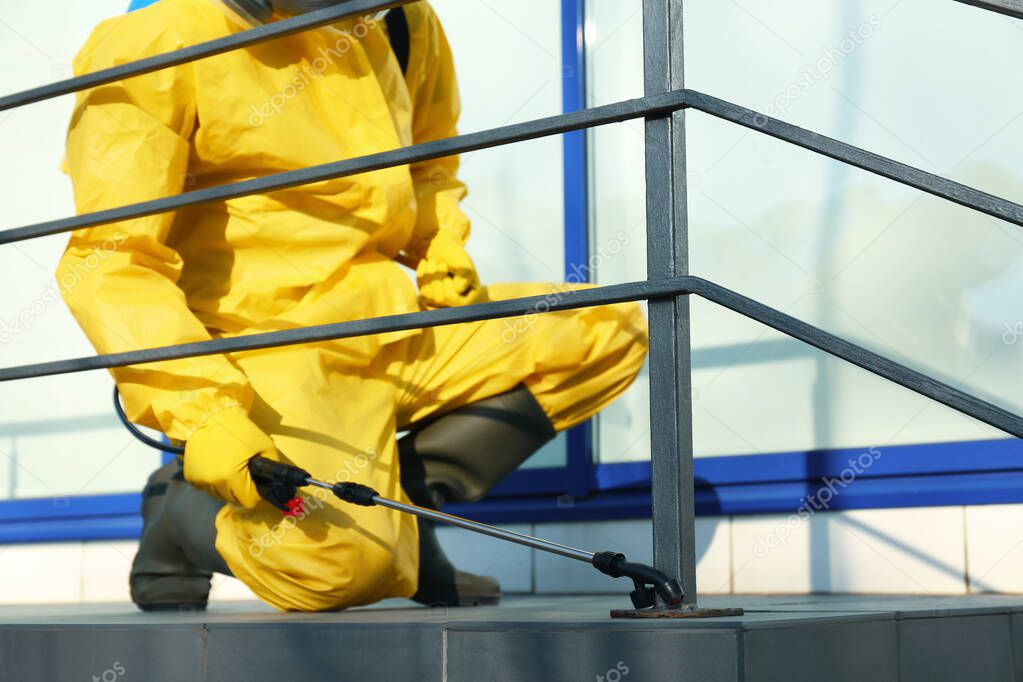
{"points": [[889, 638]]}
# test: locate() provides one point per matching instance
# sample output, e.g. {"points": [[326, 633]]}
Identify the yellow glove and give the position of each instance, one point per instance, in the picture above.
{"points": [[446, 274], [217, 457]]}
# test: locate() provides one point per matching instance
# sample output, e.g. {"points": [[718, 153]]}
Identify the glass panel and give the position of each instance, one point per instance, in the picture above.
{"points": [[515, 192], [614, 36], [912, 277], [516, 196]]}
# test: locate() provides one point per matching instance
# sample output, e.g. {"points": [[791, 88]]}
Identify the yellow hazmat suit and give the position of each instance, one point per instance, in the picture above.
{"points": [[310, 255]]}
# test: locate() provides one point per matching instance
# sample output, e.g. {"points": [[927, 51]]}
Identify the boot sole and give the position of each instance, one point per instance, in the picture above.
{"points": [[458, 601], [481, 600], [183, 607]]}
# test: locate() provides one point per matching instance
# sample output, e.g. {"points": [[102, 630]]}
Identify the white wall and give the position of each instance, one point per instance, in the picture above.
{"points": [[940, 552]]}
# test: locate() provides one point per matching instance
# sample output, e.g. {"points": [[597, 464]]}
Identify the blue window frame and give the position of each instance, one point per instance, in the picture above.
{"points": [[577, 208], [935, 474]]}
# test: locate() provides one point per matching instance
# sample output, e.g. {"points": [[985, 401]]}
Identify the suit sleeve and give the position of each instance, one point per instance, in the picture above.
{"points": [[436, 107], [129, 142]]}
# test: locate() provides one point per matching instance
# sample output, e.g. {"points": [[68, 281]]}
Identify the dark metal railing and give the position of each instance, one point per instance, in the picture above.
{"points": [[236, 41], [1010, 8], [669, 283], [643, 107], [519, 132], [860, 158], [569, 299]]}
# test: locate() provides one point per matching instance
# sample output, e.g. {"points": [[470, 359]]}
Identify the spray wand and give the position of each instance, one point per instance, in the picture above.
{"points": [[655, 595]]}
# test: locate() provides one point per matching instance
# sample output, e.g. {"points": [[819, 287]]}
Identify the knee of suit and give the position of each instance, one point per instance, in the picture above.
{"points": [[633, 326], [611, 351], [354, 583], [617, 342], [328, 561], [618, 356]]}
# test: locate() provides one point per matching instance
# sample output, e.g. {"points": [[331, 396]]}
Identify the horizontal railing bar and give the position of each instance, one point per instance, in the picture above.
{"points": [[861, 357], [963, 195], [517, 132], [564, 300], [253, 36], [279, 29], [656, 105], [1010, 8]]}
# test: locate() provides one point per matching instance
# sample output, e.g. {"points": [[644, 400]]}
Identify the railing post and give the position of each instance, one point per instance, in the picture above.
{"points": [[671, 414]]}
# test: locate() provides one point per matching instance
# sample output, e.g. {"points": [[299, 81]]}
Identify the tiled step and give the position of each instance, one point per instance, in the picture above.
{"points": [[528, 638]]}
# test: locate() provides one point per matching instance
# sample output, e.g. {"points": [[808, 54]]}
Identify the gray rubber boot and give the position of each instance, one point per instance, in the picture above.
{"points": [[440, 583], [459, 457], [467, 452], [176, 556]]}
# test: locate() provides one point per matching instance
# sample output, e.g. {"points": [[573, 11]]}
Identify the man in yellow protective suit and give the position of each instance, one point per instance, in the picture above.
{"points": [[475, 399]]}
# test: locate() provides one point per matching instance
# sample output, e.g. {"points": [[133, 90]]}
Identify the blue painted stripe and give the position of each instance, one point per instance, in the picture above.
{"points": [[972, 488], [528, 482], [868, 462], [70, 519], [126, 527], [894, 460], [977, 488], [613, 505], [80, 506], [780, 498], [965, 457], [989, 472]]}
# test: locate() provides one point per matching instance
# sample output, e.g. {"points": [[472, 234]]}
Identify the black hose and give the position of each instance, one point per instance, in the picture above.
{"points": [[134, 430]]}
